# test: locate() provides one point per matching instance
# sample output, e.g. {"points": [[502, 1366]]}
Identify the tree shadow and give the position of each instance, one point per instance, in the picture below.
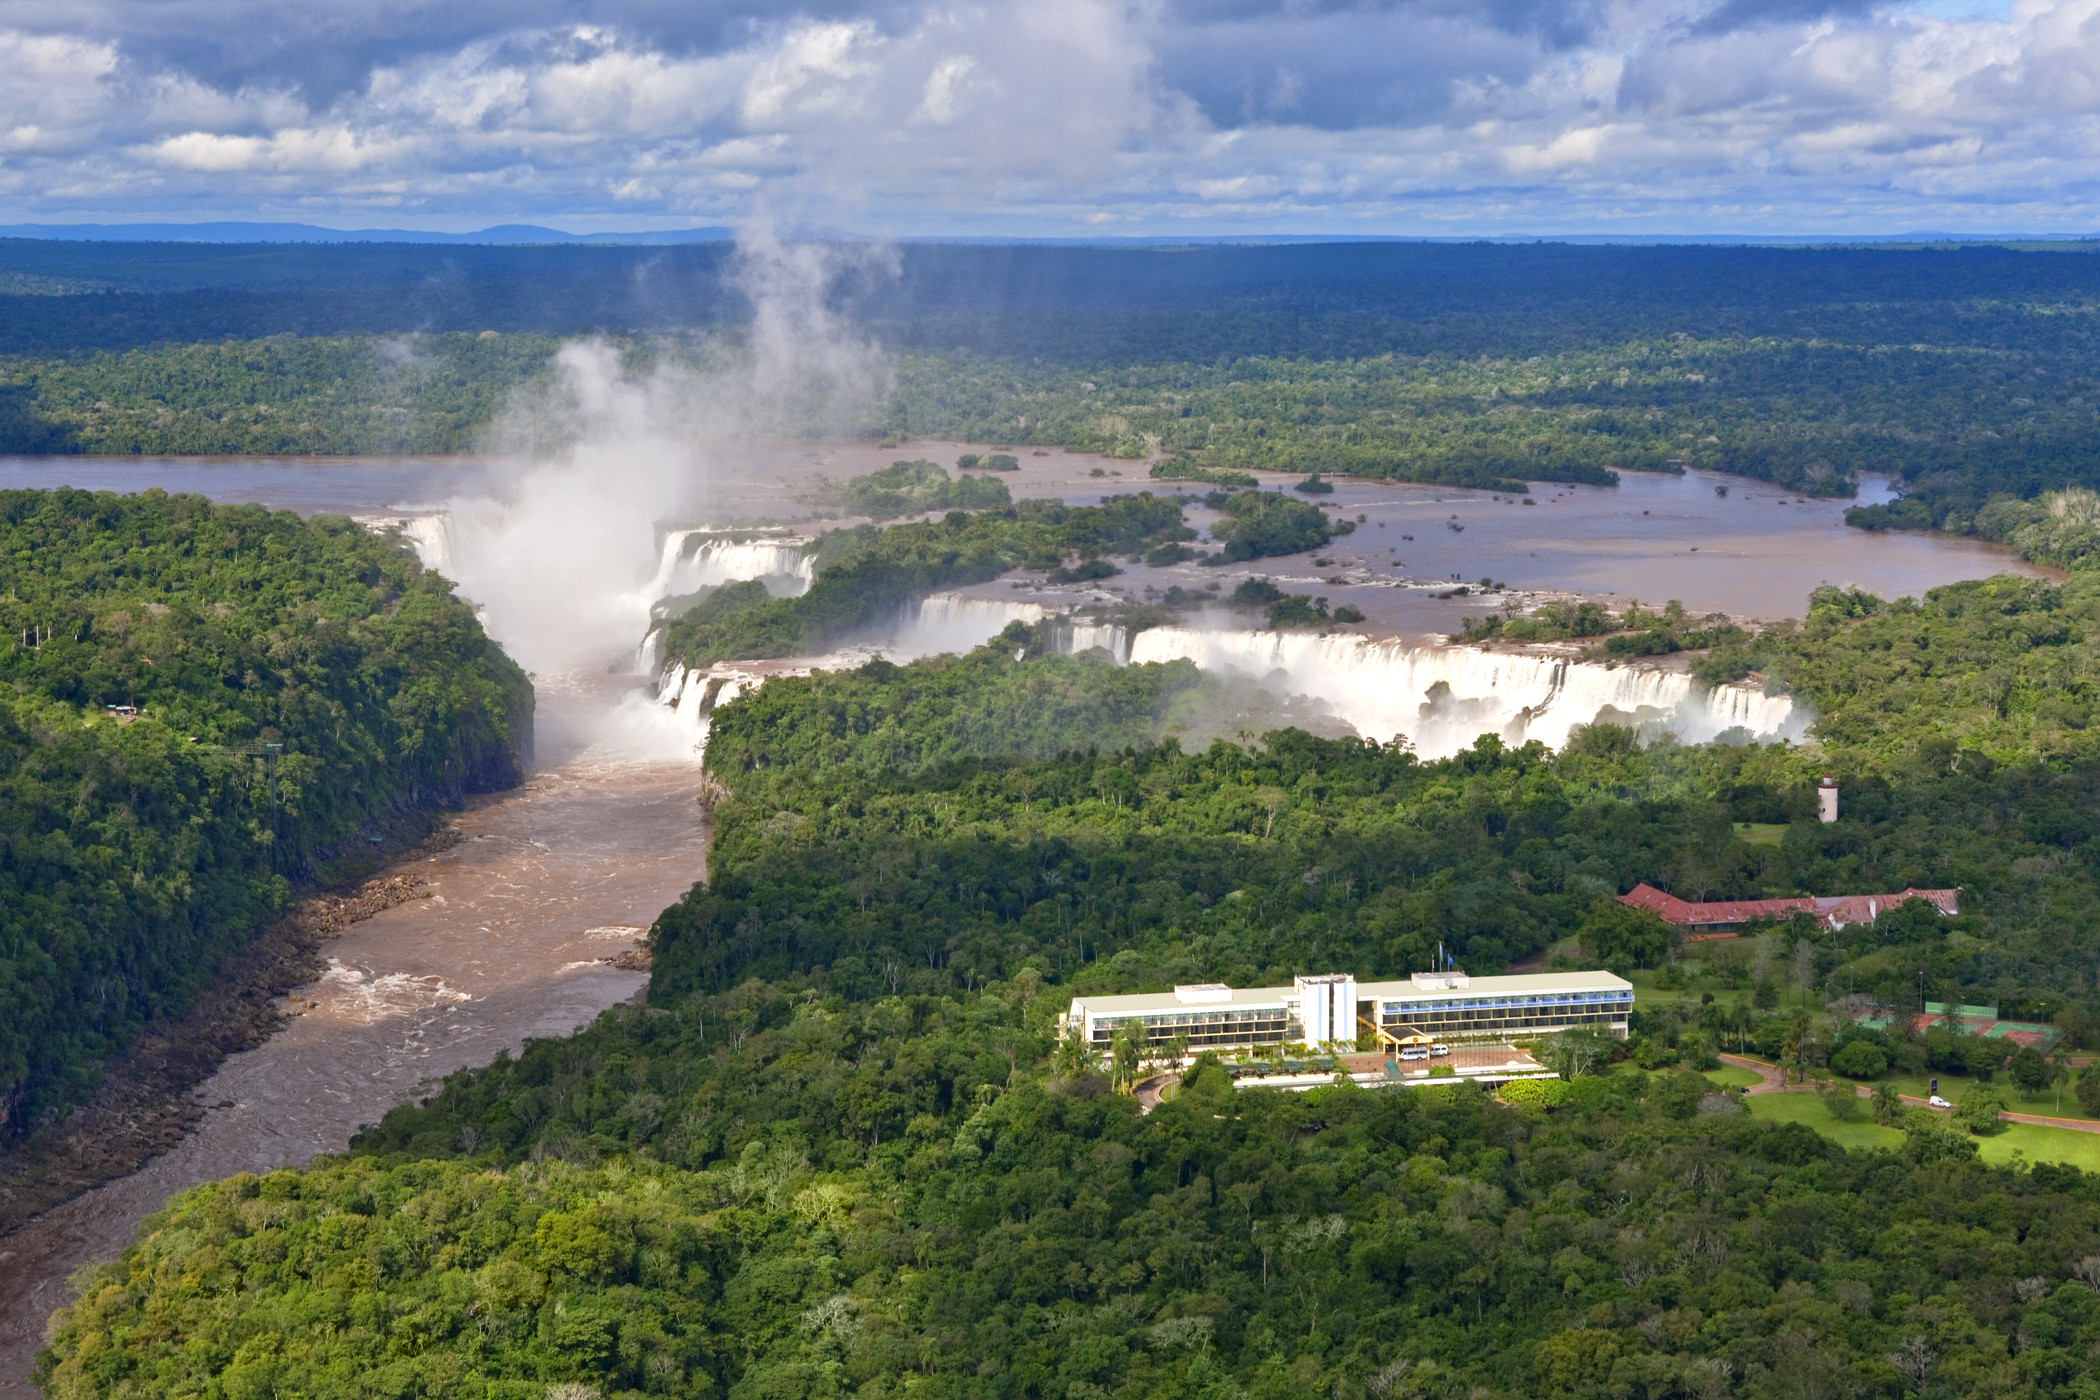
{"points": [[25, 430]]}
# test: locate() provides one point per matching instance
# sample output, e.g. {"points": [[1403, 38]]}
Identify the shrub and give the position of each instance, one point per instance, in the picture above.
{"points": [[1614, 930], [2087, 1089], [1254, 593], [1261, 523], [1979, 1110], [1860, 1059]]}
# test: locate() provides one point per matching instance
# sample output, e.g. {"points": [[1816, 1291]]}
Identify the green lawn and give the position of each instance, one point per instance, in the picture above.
{"points": [[1856, 1132], [2039, 1144], [1760, 833], [1953, 1086], [2032, 1142], [1645, 990], [1733, 1076]]}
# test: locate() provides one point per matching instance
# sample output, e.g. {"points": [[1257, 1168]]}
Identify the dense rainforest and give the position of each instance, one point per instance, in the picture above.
{"points": [[842, 1148], [1967, 373], [203, 707], [842, 1151]]}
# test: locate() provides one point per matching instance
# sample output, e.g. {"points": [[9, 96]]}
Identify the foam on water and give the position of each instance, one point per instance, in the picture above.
{"points": [[365, 996]]}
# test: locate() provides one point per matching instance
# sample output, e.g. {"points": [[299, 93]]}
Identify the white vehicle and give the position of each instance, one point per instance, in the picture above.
{"points": [[1414, 1052], [1439, 1050], [1937, 1102]]}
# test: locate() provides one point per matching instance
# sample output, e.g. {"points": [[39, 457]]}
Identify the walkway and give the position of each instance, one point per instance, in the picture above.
{"points": [[1769, 1079]]}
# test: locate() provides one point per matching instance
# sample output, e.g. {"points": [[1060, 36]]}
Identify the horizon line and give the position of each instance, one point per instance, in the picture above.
{"points": [[522, 234]]}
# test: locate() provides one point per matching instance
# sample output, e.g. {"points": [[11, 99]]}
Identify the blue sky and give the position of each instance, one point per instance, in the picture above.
{"points": [[1060, 117]]}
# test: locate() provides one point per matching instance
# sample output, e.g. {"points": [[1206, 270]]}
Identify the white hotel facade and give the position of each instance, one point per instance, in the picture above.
{"points": [[1438, 1006]]}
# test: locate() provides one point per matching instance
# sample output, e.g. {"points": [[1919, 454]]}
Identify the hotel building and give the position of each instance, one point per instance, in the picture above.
{"points": [[1430, 1006]]}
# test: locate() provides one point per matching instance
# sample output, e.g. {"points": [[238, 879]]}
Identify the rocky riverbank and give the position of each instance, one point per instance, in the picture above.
{"points": [[145, 1103]]}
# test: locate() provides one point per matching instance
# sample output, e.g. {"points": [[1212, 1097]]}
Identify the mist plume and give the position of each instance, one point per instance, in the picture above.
{"points": [[599, 455]]}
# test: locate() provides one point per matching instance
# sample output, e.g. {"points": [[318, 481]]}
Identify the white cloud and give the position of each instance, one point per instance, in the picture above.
{"points": [[948, 90], [1040, 115], [813, 72], [327, 151]]}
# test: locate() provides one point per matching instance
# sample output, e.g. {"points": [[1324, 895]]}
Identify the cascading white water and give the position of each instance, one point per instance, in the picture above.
{"points": [[691, 560], [952, 622], [696, 559], [431, 538], [1085, 636], [1442, 698], [944, 622]]}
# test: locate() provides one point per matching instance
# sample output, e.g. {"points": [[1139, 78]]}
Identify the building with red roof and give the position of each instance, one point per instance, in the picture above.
{"points": [[1717, 919]]}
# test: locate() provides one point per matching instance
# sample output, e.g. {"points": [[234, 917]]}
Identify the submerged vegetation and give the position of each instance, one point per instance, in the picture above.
{"points": [[911, 488], [201, 706]]}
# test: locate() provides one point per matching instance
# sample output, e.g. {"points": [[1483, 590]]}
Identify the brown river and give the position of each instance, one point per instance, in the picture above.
{"points": [[572, 868], [553, 877]]}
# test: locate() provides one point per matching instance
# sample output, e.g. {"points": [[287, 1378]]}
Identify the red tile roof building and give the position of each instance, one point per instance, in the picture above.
{"points": [[1832, 911]]}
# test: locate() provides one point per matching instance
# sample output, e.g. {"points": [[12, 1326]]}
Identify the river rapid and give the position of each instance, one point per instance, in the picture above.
{"points": [[551, 879]]}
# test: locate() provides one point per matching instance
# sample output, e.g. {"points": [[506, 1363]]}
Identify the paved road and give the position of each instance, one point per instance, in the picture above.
{"points": [[1769, 1079]]}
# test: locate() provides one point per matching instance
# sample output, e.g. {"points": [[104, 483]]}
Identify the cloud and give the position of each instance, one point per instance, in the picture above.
{"points": [[1048, 116]]}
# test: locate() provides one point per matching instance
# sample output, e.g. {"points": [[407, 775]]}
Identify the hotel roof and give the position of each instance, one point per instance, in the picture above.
{"points": [[1515, 984], [1522, 984], [1140, 1002], [1835, 911]]}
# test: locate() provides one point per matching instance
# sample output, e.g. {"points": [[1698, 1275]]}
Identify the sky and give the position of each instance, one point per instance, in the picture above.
{"points": [[1063, 118]]}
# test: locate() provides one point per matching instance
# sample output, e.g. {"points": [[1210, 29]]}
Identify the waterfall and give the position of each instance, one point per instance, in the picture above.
{"points": [[954, 623], [1073, 637], [693, 694], [431, 538], [1442, 698], [943, 622], [691, 560]]}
